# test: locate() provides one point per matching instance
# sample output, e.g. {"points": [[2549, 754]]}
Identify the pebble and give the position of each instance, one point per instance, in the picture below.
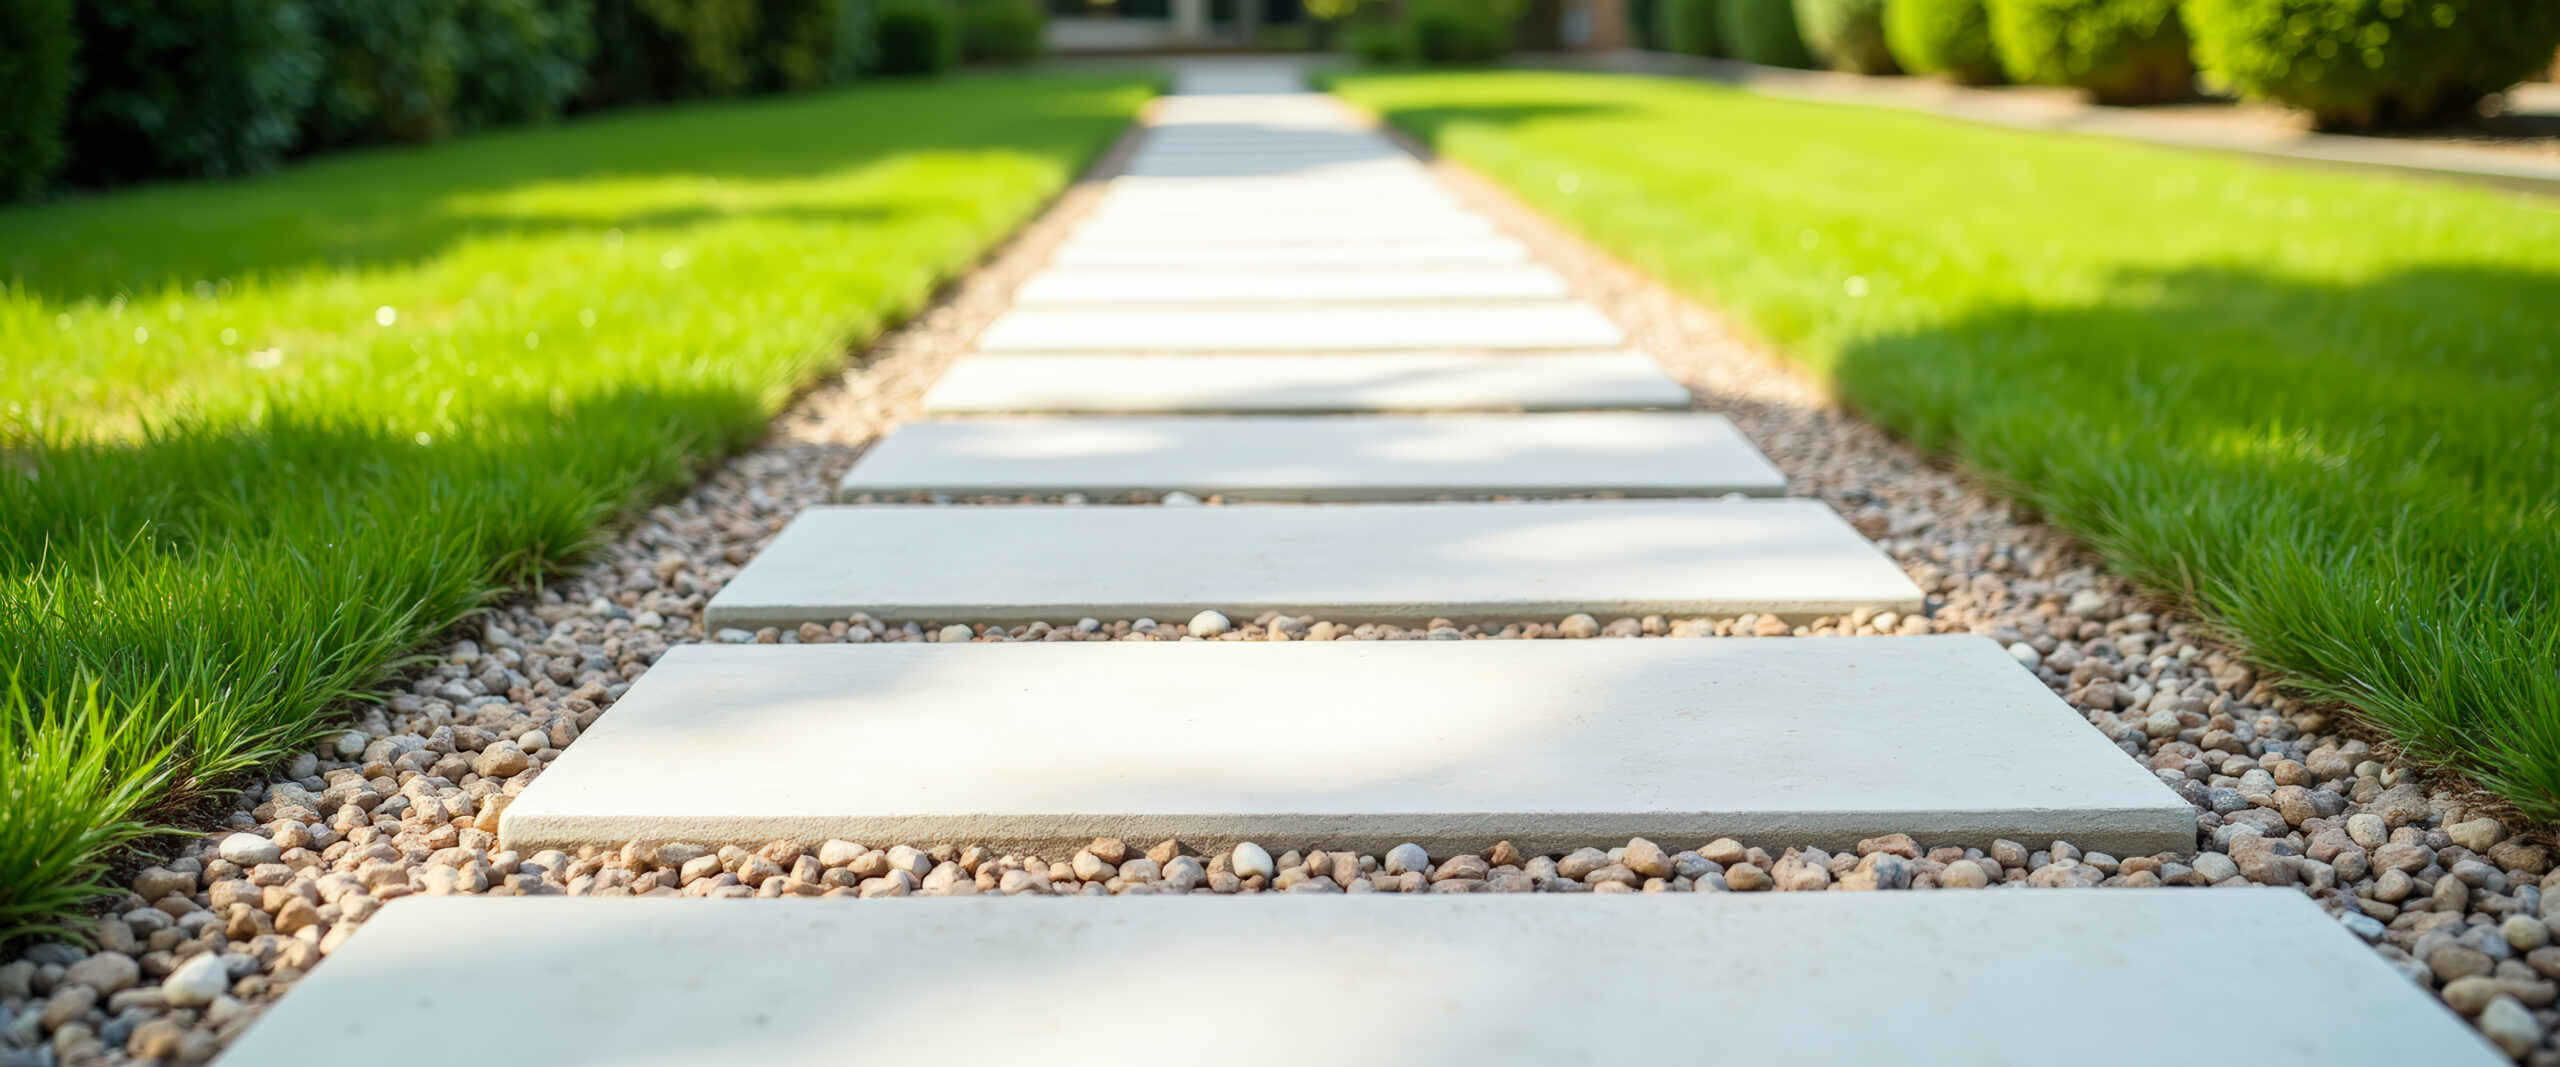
{"points": [[955, 634], [2508, 1023], [196, 982], [249, 850], [1250, 860], [1209, 624], [1578, 626], [1405, 857], [2026, 655]]}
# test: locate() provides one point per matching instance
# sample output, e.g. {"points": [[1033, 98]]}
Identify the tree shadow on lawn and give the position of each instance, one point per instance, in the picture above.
{"points": [[2359, 480], [395, 207]]}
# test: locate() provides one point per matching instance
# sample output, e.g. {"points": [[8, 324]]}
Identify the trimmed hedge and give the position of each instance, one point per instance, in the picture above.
{"points": [[1001, 31], [1950, 37], [1459, 31], [2356, 64], [189, 88], [1846, 34], [1761, 31], [918, 37], [1378, 44], [519, 60], [805, 44], [389, 70], [2122, 51], [1686, 26], [35, 78]]}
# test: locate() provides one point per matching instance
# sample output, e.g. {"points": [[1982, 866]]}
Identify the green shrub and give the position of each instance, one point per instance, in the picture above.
{"points": [[519, 60], [35, 78], [2360, 63], [1001, 31], [2122, 51], [804, 44], [1761, 31], [388, 70], [1378, 44], [917, 37], [1459, 31], [1950, 37], [1685, 26], [1846, 34], [672, 49], [189, 87]]}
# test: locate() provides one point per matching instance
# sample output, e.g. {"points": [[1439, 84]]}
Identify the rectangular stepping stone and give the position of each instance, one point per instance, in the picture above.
{"points": [[1553, 745], [1538, 325], [1302, 384], [1360, 457], [1940, 978], [1465, 250], [1487, 562], [1143, 285], [1293, 228]]}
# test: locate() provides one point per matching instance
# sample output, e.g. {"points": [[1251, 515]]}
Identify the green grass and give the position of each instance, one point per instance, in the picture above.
{"points": [[260, 440], [2321, 408]]}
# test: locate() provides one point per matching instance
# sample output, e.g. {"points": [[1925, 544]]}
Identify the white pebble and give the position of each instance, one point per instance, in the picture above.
{"points": [[196, 982], [1180, 499], [533, 741], [1209, 624], [955, 634], [2026, 655], [351, 744], [1251, 859], [250, 850]]}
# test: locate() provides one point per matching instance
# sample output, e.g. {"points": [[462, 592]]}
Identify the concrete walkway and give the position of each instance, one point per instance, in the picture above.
{"points": [[1228, 240]]}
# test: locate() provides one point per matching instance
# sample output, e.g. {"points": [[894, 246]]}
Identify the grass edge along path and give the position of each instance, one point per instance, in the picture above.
{"points": [[263, 440], [2316, 408]]}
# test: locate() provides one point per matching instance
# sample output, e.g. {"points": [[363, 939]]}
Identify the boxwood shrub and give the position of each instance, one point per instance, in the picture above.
{"points": [[519, 60], [1459, 31], [1949, 37], [1846, 34], [207, 88], [1761, 31], [2361, 63], [2122, 51], [35, 78], [387, 70], [672, 49], [1686, 26], [1000, 31], [917, 37]]}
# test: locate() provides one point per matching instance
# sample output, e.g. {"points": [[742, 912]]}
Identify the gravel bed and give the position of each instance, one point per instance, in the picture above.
{"points": [[407, 799]]}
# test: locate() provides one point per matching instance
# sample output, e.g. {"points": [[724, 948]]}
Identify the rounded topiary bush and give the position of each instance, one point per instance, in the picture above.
{"points": [[1001, 31], [2361, 63], [35, 78], [1761, 31], [1458, 31], [1686, 26], [2122, 51], [917, 37], [1950, 37], [189, 88], [1845, 34]]}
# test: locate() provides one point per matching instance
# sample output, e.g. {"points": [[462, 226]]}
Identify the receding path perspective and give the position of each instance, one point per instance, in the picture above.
{"points": [[1458, 749]]}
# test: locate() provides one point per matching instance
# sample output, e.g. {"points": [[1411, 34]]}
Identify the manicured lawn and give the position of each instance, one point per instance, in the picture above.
{"points": [[263, 439], [2322, 408]]}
